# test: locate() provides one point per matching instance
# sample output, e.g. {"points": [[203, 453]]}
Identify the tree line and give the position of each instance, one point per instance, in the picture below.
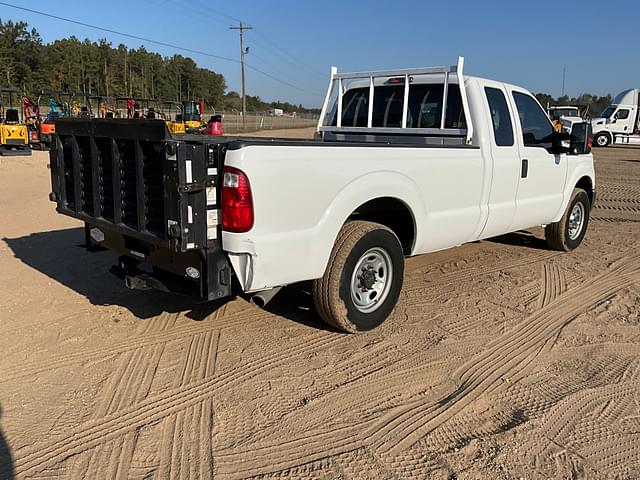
{"points": [[101, 69], [592, 104]]}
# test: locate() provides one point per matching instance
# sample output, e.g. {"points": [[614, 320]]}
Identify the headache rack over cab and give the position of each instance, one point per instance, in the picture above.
{"points": [[366, 125], [145, 194]]}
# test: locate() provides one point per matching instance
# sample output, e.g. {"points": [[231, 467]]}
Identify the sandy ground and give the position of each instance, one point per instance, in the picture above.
{"points": [[503, 360]]}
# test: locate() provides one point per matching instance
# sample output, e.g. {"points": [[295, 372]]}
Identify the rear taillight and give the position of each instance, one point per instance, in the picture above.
{"points": [[589, 143], [237, 203]]}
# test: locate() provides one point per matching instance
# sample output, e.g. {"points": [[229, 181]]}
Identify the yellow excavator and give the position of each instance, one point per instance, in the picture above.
{"points": [[191, 116], [175, 125], [14, 138]]}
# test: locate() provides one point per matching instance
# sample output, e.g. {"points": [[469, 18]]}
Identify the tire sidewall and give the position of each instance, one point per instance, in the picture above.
{"points": [[579, 196], [386, 240]]}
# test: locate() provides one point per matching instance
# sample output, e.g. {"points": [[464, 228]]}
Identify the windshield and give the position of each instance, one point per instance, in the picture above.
{"points": [[558, 112], [608, 111], [568, 112]]}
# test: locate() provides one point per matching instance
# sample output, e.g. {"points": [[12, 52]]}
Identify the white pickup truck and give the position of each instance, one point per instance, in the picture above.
{"points": [[404, 162]]}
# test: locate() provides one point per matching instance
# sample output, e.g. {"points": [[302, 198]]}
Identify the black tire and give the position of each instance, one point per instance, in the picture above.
{"points": [[332, 294], [602, 140], [558, 234]]}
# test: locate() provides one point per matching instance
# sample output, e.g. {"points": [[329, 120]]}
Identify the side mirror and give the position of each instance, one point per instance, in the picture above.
{"points": [[560, 143], [581, 138]]}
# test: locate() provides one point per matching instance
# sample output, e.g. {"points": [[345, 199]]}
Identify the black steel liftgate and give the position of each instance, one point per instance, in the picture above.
{"points": [[148, 195]]}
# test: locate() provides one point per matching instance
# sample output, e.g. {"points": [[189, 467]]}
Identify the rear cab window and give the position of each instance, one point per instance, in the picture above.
{"points": [[424, 111], [500, 117], [388, 102]]}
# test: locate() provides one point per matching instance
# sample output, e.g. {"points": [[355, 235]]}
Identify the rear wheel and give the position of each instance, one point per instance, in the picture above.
{"points": [[363, 279], [568, 233]]}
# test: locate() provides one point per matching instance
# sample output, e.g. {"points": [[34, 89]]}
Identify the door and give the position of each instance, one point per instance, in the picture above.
{"points": [[542, 174], [505, 157], [622, 121]]}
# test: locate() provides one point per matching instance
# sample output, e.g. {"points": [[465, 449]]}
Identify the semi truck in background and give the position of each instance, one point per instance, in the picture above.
{"points": [[620, 121]]}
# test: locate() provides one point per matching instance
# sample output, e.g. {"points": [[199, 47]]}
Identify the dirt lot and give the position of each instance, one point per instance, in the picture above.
{"points": [[503, 360]]}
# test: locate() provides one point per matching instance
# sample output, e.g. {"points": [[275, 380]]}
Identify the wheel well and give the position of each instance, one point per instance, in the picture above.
{"points": [[605, 132], [586, 184], [392, 213]]}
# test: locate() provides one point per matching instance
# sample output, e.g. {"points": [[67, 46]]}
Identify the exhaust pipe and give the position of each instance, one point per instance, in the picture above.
{"points": [[261, 299]]}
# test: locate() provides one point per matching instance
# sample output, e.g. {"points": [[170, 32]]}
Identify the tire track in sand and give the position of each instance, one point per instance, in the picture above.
{"points": [[398, 429], [581, 425], [553, 284], [129, 384], [155, 408], [90, 355], [514, 350], [470, 273], [187, 437]]}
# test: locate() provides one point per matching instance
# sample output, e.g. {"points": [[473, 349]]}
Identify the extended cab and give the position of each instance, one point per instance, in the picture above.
{"points": [[404, 162]]}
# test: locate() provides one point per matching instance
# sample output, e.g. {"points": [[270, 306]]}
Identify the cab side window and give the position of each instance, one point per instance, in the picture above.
{"points": [[622, 114], [537, 130], [502, 128]]}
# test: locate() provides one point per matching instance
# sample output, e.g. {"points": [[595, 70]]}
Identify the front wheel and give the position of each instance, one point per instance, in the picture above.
{"points": [[602, 140], [363, 279], [568, 233]]}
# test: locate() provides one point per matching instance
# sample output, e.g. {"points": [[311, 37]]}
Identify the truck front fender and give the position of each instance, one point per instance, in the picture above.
{"points": [[579, 172]]}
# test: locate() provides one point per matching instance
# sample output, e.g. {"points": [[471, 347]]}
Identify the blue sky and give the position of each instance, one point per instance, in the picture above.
{"points": [[526, 43]]}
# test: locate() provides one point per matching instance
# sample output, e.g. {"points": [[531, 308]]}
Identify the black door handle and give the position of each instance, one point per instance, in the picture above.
{"points": [[525, 168]]}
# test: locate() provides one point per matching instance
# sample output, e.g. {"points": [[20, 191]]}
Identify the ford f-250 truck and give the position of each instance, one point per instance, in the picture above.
{"points": [[404, 162]]}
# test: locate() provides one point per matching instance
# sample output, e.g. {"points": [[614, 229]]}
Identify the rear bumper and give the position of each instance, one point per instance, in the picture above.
{"points": [[203, 274]]}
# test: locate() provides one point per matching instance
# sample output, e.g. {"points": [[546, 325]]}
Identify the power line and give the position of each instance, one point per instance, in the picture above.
{"points": [[218, 12], [156, 42], [293, 60], [251, 67], [116, 32], [290, 55]]}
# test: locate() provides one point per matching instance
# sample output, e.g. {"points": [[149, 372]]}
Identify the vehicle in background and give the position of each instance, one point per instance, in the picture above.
{"points": [[620, 121], [564, 116], [191, 116], [175, 125], [405, 162], [33, 121], [61, 105], [130, 107], [14, 135]]}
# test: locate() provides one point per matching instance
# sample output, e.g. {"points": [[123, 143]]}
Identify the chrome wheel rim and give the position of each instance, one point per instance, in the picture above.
{"points": [[576, 220], [602, 140], [371, 280]]}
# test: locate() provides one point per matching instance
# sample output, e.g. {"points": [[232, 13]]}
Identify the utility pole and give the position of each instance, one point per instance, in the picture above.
{"points": [[564, 71], [242, 28]]}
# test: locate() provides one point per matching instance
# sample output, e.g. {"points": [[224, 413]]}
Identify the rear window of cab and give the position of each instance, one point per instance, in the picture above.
{"points": [[425, 103]]}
